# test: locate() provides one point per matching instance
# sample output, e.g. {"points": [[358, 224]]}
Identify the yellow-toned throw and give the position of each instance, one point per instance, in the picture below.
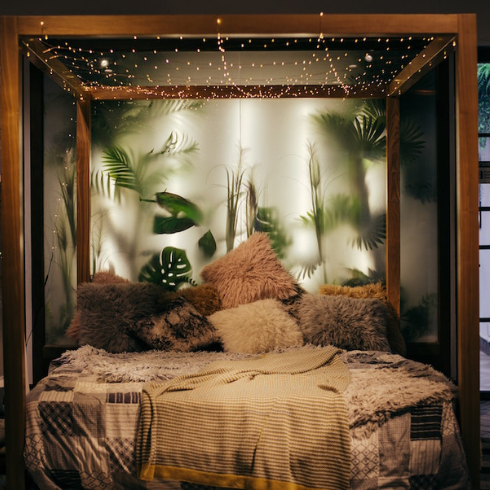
{"points": [[277, 421]]}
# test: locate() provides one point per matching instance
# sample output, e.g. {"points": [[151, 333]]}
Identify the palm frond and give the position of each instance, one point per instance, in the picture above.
{"points": [[307, 270], [368, 134], [120, 168], [411, 141], [372, 233], [101, 183], [375, 108], [179, 144]]}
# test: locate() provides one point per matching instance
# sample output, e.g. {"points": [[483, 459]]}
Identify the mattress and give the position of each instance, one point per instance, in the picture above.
{"points": [[82, 420]]}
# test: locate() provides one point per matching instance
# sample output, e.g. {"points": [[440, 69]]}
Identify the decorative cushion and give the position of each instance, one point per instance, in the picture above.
{"points": [[249, 273], [347, 323], [204, 297], [378, 291], [102, 277], [107, 310], [179, 328], [257, 327]]}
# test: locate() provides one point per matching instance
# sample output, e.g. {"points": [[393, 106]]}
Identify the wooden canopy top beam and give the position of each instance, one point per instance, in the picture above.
{"points": [[279, 24]]}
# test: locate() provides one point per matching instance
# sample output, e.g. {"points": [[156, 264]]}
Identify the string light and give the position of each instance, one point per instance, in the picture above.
{"points": [[282, 65]]}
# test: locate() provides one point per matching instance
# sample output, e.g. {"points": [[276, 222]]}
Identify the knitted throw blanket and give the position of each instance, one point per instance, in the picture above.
{"points": [[277, 421]]}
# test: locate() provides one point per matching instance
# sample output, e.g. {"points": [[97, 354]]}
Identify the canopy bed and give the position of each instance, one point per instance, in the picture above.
{"points": [[53, 44]]}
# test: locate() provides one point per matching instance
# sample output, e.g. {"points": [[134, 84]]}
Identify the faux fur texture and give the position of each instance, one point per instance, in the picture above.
{"points": [[250, 272], [348, 323], [138, 367], [257, 327], [378, 291], [181, 328], [377, 394], [382, 385], [204, 297], [107, 310], [102, 277]]}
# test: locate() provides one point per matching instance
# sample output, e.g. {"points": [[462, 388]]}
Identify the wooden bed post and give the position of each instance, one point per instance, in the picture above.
{"points": [[83, 190], [13, 253], [468, 240], [393, 201]]}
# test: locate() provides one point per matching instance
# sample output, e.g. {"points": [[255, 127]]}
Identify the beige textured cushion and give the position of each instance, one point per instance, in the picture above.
{"points": [[257, 327], [249, 273]]}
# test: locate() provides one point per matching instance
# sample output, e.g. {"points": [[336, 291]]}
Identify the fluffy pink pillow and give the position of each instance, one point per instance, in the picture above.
{"points": [[249, 273]]}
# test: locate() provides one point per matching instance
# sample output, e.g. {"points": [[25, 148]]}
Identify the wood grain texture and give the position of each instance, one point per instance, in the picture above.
{"points": [[468, 241], [58, 72], [83, 190], [393, 201], [274, 24], [425, 61], [12, 251]]}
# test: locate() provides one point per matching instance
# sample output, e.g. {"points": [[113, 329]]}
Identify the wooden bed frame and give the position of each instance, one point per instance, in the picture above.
{"points": [[458, 30]]}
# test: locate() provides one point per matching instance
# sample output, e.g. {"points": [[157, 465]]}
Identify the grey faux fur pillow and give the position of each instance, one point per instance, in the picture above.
{"points": [[347, 323], [107, 310], [178, 328]]}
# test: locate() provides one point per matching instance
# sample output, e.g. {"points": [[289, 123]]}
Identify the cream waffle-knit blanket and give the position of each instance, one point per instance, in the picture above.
{"points": [[278, 421]]}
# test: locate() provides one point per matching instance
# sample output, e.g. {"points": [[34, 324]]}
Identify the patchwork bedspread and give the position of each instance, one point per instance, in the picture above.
{"points": [[81, 430]]}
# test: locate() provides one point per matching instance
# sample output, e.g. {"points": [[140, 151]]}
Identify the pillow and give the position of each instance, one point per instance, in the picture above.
{"points": [[256, 327], [106, 310], [249, 273], [347, 323], [102, 277], [179, 328], [204, 297], [378, 291]]}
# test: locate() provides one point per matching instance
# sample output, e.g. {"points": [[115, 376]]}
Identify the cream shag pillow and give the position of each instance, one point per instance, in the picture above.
{"points": [[249, 273], [257, 327]]}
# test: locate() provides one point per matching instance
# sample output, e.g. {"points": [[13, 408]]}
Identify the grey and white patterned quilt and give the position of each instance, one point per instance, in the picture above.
{"points": [[81, 428]]}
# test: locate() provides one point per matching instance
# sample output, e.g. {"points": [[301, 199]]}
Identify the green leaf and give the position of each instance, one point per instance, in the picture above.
{"points": [[119, 167], [176, 205], [170, 268], [207, 244], [164, 225]]}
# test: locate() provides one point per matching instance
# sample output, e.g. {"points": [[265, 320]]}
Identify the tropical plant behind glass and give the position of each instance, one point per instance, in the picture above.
{"points": [[141, 173], [361, 137]]}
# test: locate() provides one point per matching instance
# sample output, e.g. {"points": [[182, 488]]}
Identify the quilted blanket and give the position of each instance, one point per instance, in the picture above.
{"points": [[82, 421], [275, 422]]}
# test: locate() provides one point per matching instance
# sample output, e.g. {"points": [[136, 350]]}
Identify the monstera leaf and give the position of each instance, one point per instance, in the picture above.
{"points": [[170, 268]]}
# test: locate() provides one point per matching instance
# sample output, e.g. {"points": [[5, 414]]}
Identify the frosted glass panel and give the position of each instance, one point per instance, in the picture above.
{"points": [[59, 210], [419, 222], [297, 169]]}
